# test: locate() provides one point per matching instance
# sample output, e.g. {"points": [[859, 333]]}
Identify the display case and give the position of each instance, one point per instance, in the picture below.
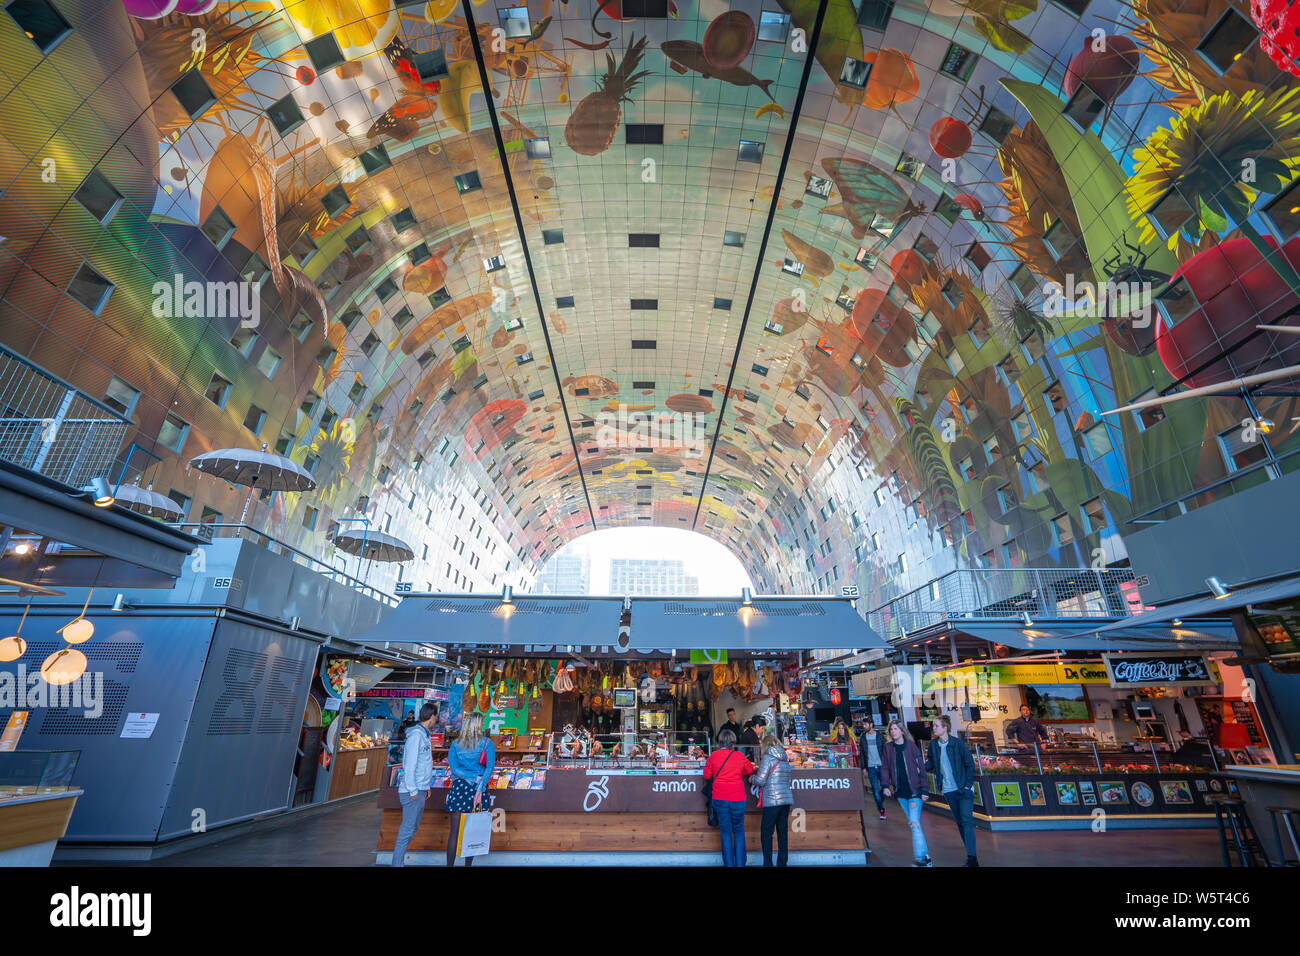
{"points": [[28, 772], [643, 753]]}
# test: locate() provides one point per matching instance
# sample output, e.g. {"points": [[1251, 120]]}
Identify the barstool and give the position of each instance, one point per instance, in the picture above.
{"points": [[1231, 810], [1285, 814]]}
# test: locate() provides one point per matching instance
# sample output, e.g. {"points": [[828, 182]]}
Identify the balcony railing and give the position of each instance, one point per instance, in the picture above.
{"points": [[53, 429], [1044, 594]]}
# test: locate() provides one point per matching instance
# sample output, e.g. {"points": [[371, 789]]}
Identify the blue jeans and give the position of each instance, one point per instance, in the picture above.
{"points": [[873, 775], [731, 825], [912, 806], [412, 810], [962, 805]]}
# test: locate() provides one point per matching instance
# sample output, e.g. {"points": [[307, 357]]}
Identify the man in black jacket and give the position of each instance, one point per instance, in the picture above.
{"points": [[871, 750], [954, 771]]}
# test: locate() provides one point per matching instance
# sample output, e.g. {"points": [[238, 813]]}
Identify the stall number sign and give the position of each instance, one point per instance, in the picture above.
{"points": [[1140, 670], [227, 584]]}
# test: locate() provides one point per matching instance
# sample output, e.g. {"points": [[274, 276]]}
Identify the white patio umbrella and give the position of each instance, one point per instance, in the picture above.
{"points": [[256, 469], [146, 501], [373, 545]]}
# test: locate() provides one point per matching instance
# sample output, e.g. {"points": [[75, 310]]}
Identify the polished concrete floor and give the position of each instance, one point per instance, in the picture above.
{"points": [[346, 836]]}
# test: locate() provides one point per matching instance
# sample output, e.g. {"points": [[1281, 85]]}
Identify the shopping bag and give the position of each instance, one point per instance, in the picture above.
{"points": [[475, 834]]}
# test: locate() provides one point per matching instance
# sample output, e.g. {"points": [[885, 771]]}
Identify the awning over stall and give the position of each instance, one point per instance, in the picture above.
{"points": [[1208, 606], [1198, 635], [547, 623]]}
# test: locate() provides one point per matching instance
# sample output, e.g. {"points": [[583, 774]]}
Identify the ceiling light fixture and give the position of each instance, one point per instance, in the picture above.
{"points": [[1217, 587], [1025, 619], [14, 647], [99, 490]]}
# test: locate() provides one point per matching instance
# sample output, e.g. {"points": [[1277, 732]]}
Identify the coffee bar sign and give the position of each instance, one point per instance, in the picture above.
{"points": [[1165, 670]]}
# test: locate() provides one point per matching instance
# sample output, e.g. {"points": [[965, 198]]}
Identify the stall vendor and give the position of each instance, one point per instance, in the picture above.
{"points": [[1025, 730]]}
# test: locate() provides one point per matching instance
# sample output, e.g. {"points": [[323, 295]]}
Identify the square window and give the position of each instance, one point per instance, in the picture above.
{"points": [[1032, 347], [439, 297], [996, 125], [1284, 211], [644, 134], [386, 289], [958, 63], [643, 240], [1227, 40], [1054, 395], [493, 264], [303, 249], [1097, 438], [420, 254], [793, 267], [460, 345], [1077, 7], [255, 419], [773, 26], [1062, 531], [402, 316], [1084, 106], [854, 73], [564, 302], [644, 305], [524, 359], [403, 220], [98, 197], [875, 14], [818, 187], [773, 327], [468, 182], [866, 259], [285, 115], [735, 239], [324, 53], [515, 324], [759, 369], [883, 225], [552, 237], [218, 390], [301, 326], [1170, 213], [375, 160], [40, 21], [538, 148], [952, 293], [722, 304], [1239, 454], [749, 151], [268, 362], [357, 239], [978, 256], [431, 65], [1094, 515], [334, 202], [645, 9], [1144, 418], [1022, 426], [193, 93], [90, 289], [1024, 281], [425, 358], [218, 227], [121, 397], [369, 344], [909, 166], [244, 341], [173, 432], [948, 209], [514, 22]]}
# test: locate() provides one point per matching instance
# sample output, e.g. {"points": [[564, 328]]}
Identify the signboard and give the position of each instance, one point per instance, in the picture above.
{"points": [[873, 683], [1045, 673], [1165, 670], [13, 730], [139, 726], [1279, 628], [708, 656]]}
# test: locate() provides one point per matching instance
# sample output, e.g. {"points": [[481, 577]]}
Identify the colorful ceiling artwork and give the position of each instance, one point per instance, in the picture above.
{"points": [[848, 287]]}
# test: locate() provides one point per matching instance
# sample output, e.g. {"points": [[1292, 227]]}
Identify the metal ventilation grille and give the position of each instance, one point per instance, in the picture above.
{"points": [[524, 606], [765, 608], [68, 721], [717, 609], [122, 655], [784, 609], [235, 709], [278, 713]]}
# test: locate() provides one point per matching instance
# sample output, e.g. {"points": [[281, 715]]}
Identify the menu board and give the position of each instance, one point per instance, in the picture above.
{"points": [[1279, 628]]}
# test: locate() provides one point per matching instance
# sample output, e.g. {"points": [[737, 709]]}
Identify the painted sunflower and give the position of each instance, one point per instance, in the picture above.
{"points": [[1219, 155], [334, 451]]}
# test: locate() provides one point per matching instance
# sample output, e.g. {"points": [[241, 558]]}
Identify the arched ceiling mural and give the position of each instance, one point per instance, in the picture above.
{"points": [[773, 271]]}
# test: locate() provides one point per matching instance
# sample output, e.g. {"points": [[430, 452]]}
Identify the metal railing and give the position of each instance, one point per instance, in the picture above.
{"points": [[51, 427], [1007, 595], [206, 531]]}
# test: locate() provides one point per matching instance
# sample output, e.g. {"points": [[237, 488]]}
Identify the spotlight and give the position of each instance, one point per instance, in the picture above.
{"points": [[1264, 425], [119, 602], [507, 594], [1217, 587], [746, 596], [1025, 619], [99, 489], [1177, 622], [23, 547]]}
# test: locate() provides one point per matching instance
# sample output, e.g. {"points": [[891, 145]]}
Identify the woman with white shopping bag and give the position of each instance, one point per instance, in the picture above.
{"points": [[471, 758]]}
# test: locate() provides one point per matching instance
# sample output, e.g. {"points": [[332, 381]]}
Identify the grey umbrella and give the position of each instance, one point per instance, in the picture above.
{"points": [[373, 546], [257, 469], [146, 501]]}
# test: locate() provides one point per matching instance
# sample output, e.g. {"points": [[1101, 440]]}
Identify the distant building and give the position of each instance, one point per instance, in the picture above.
{"points": [[565, 574], [642, 577]]}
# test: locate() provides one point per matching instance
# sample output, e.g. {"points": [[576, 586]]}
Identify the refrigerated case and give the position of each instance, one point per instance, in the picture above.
{"points": [[656, 717]]}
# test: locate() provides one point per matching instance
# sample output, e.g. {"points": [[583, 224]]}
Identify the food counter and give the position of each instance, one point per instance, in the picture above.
{"points": [[358, 767], [556, 807], [36, 802], [1064, 787]]}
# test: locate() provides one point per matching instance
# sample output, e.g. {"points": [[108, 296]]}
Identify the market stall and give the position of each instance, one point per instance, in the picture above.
{"points": [[631, 786]]}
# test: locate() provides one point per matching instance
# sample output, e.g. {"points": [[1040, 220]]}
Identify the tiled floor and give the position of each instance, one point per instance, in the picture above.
{"points": [[346, 837]]}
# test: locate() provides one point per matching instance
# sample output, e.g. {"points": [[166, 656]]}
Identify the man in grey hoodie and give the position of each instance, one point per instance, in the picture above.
{"points": [[417, 772]]}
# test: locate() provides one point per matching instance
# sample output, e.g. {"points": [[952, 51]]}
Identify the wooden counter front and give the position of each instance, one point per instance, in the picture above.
{"points": [[357, 771], [581, 811]]}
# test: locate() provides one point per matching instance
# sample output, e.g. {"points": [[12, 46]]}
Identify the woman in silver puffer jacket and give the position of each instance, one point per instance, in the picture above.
{"points": [[776, 797]]}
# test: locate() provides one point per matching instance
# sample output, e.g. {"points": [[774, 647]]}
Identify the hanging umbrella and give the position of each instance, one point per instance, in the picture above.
{"points": [[373, 546], [256, 469], [146, 501]]}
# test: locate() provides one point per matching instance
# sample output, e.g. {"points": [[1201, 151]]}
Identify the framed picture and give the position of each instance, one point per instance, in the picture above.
{"points": [[1239, 757], [1090, 799], [1006, 794], [978, 791], [1176, 791], [1142, 793], [1202, 786], [1111, 792], [1067, 794], [1058, 703], [1086, 786], [1034, 790]]}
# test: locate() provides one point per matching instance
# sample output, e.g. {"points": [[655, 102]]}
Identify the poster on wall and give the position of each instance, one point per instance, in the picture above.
{"points": [[1036, 794]]}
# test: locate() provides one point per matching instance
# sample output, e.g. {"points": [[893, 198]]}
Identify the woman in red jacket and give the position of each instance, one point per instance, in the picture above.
{"points": [[728, 768]]}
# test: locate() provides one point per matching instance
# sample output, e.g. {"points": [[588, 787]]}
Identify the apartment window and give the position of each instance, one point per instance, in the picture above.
{"points": [[966, 468], [193, 93], [309, 518], [730, 238], [357, 239], [310, 403], [90, 289], [996, 125], [538, 148], [324, 53], [1144, 418], [254, 419], [386, 289], [552, 237], [284, 444], [430, 65], [1054, 395], [1227, 40], [1032, 347], [854, 73], [98, 196], [1239, 454], [1011, 554], [326, 356], [357, 391], [328, 419], [244, 341], [750, 151], [1006, 498], [40, 21], [173, 432], [524, 359], [958, 63], [1094, 515], [1059, 239], [978, 256], [875, 14], [1062, 531], [375, 160], [1085, 106], [218, 390], [992, 448], [218, 227], [776, 328], [1022, 426], [1284, 211], [334, 202], [1097, 439], [468, 182], [285, 115]]}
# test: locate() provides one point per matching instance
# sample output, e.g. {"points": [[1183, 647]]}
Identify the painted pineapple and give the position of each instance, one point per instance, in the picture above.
{"points": [[592, 126]]}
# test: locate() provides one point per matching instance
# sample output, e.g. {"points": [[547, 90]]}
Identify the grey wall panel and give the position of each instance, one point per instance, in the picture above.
{"points": [[1249, 536], [243, 735], [147, 664]]}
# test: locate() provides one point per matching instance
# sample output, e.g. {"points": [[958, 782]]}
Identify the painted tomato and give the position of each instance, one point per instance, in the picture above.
{"points": [[908, 268], [1107, 72], [1235, 290], [950, 137], [884, 327]]}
